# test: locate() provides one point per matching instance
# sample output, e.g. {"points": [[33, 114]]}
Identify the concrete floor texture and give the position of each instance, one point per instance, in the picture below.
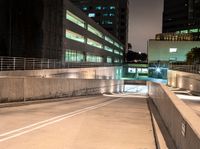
{"points": [[97, 122]]}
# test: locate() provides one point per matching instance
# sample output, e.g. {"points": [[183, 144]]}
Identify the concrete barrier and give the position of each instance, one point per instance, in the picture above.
{"points": [[181, 122], [21, 89], [184, 80]]}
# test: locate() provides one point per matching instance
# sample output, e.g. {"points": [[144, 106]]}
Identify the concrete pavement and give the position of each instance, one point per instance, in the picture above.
{"points": [[98, 122]]}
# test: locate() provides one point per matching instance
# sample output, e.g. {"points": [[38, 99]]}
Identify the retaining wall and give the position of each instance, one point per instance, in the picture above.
{"points": [[184, 80], [182, 123], [21, 89]]}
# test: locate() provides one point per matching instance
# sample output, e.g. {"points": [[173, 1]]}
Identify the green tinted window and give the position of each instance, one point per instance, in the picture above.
{"points": [[109, 39], [74, 36], [94, 31], [73, 18], [108, 49], [94, 43]]}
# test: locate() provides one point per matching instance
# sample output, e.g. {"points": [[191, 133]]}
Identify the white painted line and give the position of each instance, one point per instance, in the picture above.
{"points": [[50, 121]]}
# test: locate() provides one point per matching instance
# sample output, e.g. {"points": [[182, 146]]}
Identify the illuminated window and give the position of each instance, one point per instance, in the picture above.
{"points": [[85, 8], [117, 45], [91, 15], [94, 43], [108, 49], [194, 30], [116, 60], [74, 56], [94, 31], [94, 58], [74, 36], [111, 14], [79, 56], [73, 18], [98, 8], [121, 47], [184, 31], [112, 7], [109, 60], [108, 39], [116, 52], [70, 56], [121, 53], [172, 50]]}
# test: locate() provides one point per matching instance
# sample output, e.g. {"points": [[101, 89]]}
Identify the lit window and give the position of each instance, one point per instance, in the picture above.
{"points": [[172, 50], [121, 47], [74, 36], [94, 58], [73, 18], [94, 31], [94, 43], [91, 15], [184, 31], [98, 8], [108, 39], [112, 7], [116, 52], [111, 14], [116, 60], [108, 49], [193, 30], [117, 45], [109, 60], [85, 8], [70, 56]]}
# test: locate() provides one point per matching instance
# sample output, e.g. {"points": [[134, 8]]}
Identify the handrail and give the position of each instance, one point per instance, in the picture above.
{"points": [[21, 63]]}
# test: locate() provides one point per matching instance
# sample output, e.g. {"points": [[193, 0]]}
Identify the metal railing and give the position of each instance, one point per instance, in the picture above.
{"points": [[20, 63], [186, 68]]}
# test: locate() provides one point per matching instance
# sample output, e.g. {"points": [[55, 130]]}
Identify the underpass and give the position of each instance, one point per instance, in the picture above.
{"points": [[110, 121]]}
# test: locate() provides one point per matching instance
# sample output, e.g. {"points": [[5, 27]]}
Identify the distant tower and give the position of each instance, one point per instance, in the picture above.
{"points": [[181, 15], [112, 15]]}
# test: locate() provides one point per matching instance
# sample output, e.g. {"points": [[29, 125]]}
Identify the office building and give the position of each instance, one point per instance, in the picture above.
{"points": [[181, 16], [54, 29], [112, 15]]}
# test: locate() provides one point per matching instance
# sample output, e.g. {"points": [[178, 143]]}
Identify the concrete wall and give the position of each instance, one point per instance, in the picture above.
{"points": [[83, 73], [20, 89], [181, 122], [159, 50], [184, 80]]}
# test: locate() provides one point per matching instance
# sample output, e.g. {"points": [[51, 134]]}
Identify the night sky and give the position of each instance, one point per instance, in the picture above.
{"points": [[145, 21]]}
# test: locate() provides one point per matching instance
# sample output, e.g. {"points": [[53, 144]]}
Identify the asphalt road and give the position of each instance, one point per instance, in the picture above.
{"points": [[98, 122]]}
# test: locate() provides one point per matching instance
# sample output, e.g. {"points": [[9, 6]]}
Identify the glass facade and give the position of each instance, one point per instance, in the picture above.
{"points": [[94, 58], [74, 56], [109, 60], [73, 18], [108, 49], [94, 43], [109, 40], [94, 31], [74, 36]]}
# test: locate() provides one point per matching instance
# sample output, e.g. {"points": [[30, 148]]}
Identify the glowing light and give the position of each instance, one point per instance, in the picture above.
{"points": [[158, 70]]}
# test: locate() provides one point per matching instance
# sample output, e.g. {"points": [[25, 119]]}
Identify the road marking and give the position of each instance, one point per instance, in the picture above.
{"points": [[41, 124]]}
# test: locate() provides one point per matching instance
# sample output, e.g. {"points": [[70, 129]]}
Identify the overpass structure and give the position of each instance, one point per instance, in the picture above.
{"points": [[92, 113]]}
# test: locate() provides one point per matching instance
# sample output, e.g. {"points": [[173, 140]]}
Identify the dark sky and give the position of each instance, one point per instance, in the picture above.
{"points": [[145, 20]]}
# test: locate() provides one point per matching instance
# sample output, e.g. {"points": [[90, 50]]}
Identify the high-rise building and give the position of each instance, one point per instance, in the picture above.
{"points": [[55, 29], [181, 16], [112, 15]]}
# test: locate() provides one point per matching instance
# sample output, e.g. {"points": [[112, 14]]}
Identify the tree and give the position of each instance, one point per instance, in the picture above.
{"points": [[193, 56]]}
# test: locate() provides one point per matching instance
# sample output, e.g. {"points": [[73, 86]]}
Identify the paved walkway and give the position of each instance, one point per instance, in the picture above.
{"points": [[100, 122]]}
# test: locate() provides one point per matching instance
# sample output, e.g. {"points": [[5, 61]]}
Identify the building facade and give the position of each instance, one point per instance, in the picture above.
{"points": [[181, 16], [54, 29], [112, 15]]}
